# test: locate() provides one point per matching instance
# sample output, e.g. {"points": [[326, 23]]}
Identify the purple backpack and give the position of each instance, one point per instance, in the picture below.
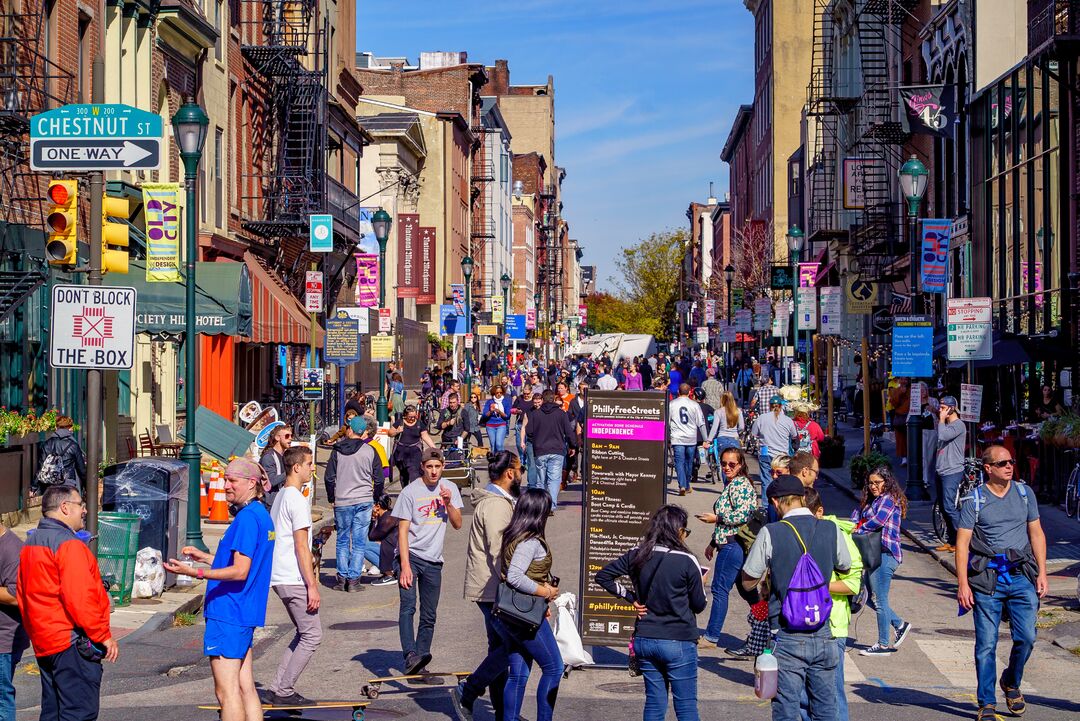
{"points": [[807, 603]]}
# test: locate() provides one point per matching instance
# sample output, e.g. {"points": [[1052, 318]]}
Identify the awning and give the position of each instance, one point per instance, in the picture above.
{"points": [[222, 299], [277, 316]]}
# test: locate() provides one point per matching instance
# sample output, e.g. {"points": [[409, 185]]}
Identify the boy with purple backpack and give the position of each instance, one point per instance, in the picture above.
{"points": [[800, 554]]}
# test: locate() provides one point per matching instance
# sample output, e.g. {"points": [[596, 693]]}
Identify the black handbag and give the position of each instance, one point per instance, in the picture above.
{"points": [[869, 545], [519, 609]]}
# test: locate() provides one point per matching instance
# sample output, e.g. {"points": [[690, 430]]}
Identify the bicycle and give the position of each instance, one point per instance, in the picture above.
{"points": [[429, 414], [877, 432], [972, 479], [1072, 493]]}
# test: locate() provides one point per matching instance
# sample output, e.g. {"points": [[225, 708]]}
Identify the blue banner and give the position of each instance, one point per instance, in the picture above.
{"points": [[450, 323], [935, 254], [515, 327], [913, 346]]}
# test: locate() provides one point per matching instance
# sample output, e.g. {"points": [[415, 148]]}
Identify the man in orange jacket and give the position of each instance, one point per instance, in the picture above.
{"points": [[65, 609]]}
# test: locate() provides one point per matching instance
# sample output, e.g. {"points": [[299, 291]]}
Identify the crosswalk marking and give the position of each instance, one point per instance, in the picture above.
{"points": [[955, 660]]}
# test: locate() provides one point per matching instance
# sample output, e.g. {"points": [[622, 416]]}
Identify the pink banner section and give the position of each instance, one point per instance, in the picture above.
{"points": [[626, 430], [367, 280]]}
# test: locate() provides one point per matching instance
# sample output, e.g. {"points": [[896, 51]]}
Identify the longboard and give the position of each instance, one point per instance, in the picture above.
{"points": [[372, 687], [356, 706]]}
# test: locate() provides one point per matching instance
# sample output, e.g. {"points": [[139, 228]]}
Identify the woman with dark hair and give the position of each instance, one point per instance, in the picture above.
{"points": [[526, 563], [412, 438], [668, 590], [731, 510], [882, 506], [496, 416]]}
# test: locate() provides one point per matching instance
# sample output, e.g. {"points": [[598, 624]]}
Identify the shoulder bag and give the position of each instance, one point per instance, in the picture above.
{"points": [[869, 545], [523, 610]]}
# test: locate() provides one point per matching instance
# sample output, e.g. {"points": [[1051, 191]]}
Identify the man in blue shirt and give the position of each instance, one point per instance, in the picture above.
{"points": [[237, 589]]}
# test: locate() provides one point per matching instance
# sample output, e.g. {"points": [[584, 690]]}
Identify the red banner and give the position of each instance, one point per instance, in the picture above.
{"points": [[408, 255], [427, 266]]}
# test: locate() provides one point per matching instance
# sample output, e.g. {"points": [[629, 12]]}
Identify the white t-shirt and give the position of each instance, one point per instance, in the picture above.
{"points": [[290, 513]]}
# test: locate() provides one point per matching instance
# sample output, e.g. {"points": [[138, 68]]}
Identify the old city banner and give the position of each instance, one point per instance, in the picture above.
{"points": [[408, 278], [367, 280], [426, 294], [935, 254], [929, 109], [161, 203]]}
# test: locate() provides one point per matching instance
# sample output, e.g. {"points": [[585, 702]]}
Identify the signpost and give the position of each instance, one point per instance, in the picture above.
{"points": [[313, 292], [807, 309], [881, 319], [969, 330], [382, 348], [702, 335], [970, 402], [860, 295], [515, 327], [321, 233], [780, 277], [744, 320], [314, 380], [82, 138], [92, 327], [384, 320], [832, 304], [342, 339], [762, 314], [913, 346], [625, 460]]}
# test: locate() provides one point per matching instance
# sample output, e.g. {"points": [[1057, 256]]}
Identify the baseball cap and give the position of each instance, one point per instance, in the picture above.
{"points": [[785, 485], [358, 424], [776, 401], [431, 454], [949, 401]]}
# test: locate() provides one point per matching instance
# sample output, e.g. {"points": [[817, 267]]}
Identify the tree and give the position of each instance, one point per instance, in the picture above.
{"points": [[752, 254], [609, 314], [649, 285]]}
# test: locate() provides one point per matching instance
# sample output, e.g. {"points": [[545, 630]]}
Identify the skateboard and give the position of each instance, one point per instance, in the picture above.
{"points": [[356, 706], [372, 687]]}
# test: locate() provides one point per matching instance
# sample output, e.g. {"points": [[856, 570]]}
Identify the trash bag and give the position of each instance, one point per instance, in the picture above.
{"points": [[566, 633], [149, 574]]}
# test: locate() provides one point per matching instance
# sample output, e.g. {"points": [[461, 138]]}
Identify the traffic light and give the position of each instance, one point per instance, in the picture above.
{"points": [[62, 247], [114, 261]]}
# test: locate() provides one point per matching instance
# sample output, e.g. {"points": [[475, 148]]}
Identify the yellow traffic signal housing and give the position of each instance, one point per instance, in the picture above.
{"points": [[114, 234], [62, 247]]}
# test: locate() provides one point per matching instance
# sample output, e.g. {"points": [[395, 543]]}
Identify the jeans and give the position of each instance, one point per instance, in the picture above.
{"points": [[534, 471], [550, 467], [950, 484], [305, 642], [668, 664], [524, 648], [684, 464], [880, 581], [1022, 602], [70, 687], [729, 559], [765, 473], [427, 583], [493, 671], [352, 524], [496, 437], [808, 663], [841, 693], [8, 662]]}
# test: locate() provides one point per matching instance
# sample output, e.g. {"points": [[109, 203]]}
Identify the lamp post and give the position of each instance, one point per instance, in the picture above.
{"points": [[913, 181], [380, 225], [189, 130], [796, 239], [466, 270], [505, 281], [536, 307], [729, 278]]}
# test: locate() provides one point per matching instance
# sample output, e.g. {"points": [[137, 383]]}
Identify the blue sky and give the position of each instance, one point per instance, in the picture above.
{"points": [[645, 93]]}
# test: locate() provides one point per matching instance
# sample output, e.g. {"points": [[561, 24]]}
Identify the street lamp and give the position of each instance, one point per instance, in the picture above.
{"points": [[380, 225], [729, 278], [796, 239], [466, 270], [913, 180], [505, 281], [189, 130]]}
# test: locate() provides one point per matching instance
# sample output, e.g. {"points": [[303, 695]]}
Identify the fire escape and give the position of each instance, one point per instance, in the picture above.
{"points": [[482, 233], [826, 105], [549, 261], [877, 235], [30, 83], [284, 44]]}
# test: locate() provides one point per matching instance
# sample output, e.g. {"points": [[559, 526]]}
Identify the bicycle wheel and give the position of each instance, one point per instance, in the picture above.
{"points": [[1071, 492], [940, 528]]}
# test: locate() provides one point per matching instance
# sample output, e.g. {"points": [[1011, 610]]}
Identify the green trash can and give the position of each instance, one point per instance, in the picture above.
{"points": [[118, 543]]}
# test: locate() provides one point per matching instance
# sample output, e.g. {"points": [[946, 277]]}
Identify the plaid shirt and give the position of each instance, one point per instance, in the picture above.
{"points": [[884, 515], [764, 394]]}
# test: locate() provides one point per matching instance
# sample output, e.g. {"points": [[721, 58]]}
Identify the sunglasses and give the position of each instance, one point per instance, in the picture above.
{"points": [[729, 464], [1002, 464]]}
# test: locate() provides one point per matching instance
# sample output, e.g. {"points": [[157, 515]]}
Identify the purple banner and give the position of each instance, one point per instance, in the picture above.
{"points": [[935, 254], [627, 430], [367, 280]]}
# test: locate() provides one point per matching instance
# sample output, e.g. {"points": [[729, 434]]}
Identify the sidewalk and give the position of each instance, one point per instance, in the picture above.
{"points": [[1062, 532]]}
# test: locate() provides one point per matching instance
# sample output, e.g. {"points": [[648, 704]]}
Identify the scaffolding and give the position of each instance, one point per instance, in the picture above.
{"points": [[284, 44]]}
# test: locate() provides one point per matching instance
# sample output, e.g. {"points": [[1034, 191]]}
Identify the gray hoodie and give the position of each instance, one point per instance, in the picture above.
{"points": [[354, 473]]}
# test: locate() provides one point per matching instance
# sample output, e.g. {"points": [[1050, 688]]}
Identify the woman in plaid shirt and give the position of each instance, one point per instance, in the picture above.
{"points": [[882, 506], [731, 510]]}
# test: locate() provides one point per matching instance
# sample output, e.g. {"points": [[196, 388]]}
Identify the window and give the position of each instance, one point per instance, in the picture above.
{"points": [[218, 28], [82, 75], [219, 181], [202, 193]]}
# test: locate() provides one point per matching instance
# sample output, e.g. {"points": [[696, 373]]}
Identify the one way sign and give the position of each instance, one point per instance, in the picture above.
{"points": [[82, 137], [56, 154]]}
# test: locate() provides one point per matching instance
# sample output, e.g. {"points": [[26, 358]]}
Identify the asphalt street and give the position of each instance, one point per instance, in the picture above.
{"points": [[163, 675]]}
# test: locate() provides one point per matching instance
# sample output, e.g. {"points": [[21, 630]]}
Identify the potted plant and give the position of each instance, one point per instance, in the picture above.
{"points": [[832, 452], [862, 464]]}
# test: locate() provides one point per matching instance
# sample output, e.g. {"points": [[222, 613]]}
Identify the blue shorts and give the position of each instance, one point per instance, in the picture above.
{"points": [[227, 640]]}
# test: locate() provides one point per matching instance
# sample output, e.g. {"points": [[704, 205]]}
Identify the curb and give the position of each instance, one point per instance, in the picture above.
{"points": [[165, 619]]}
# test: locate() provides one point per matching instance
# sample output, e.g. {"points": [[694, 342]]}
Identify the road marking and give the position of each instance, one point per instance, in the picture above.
{"points": [[852, 674], [956, 662]]}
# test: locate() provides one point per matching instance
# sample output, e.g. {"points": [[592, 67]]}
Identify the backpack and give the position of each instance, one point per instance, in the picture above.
{"points": [[976, 497], [807, 603], [51, 472]]}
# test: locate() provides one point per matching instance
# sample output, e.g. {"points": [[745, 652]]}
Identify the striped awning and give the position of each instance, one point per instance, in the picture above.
{"points": [[277, 316]]}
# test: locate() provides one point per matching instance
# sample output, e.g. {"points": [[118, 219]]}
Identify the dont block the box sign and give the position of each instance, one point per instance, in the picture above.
{"points": [[92, 327]]}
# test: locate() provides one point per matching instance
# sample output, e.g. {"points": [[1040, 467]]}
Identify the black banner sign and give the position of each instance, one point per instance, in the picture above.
{"points": [[929, 109]]}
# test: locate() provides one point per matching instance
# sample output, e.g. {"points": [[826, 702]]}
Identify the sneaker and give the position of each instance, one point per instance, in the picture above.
{"points": [[293, 699], [390, 580], [877, 650], [986, 713], [464, 712], [1013, 698], [682, 491], [415, 663], [709, 639], [266, 696], [946, 548], [743, 652], [902, 634]]}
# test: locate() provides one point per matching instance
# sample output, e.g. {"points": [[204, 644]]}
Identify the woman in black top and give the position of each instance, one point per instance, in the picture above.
{"points": [[668, 592], [411, 439]]}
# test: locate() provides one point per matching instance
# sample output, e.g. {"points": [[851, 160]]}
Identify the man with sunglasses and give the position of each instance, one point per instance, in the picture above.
{"points": [[1000, 564], [273, 460]]}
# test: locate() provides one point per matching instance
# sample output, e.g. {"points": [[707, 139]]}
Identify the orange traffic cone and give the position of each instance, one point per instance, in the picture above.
{"points": [[204, 497], [219, 507]]}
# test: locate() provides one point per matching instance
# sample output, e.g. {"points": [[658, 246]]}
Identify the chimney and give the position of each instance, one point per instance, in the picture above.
{"points": [[727, 196], [397, 66], [500, 78], [712, 198]]}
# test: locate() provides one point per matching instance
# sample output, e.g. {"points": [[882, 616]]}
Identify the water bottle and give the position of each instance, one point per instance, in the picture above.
{"points": [[701, 456], [765, 671]]}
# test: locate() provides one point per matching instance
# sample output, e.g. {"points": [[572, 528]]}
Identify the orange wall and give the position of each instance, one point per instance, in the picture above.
{"points": [[216, 375]]}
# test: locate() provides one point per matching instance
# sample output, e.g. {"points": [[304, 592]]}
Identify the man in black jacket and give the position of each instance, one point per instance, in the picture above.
{"points": [[551, 433], [69, 461]]}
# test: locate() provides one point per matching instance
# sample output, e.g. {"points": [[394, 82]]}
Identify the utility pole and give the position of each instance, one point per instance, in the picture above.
{"points": [[94, 277]]}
